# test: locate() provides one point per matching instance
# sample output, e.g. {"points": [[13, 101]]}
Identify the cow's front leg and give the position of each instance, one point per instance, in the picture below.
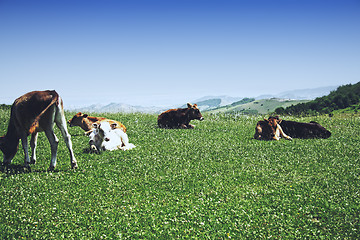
{"points": [[61, 123], [33, 143], [54, 141], [93, 147], [26, 150], [280, 133], [92, 142]]}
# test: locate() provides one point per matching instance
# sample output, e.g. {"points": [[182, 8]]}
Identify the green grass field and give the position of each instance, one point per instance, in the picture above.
{"points": [[213, 182]]}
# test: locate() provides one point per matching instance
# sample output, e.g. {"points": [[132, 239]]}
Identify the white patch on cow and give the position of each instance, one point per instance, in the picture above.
{"points": [[280, 133], [108, 137]]}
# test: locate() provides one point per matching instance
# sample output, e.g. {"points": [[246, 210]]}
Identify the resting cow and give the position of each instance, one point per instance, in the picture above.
{"points": [[291, 128], [108, 137], [269, 129], [303, 130], [179, 118], [86, 122], [32, 113]]}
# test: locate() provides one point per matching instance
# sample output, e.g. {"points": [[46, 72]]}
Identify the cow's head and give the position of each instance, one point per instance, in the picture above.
{"points": [[266, 130], [103, 129], [77, 119], [194, 112], [9, 148]]}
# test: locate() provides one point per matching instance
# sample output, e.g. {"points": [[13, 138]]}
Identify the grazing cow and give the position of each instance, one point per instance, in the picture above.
{"points": [[86, 122], [32, 113], [179, 118], [292, 128], [269, 129], [106, 136]]}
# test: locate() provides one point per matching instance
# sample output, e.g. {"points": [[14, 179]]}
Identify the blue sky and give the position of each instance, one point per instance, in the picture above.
{"points": [[164, 52]]}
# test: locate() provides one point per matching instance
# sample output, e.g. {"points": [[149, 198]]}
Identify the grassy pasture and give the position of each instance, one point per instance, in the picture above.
{"points": [[213, 182]]}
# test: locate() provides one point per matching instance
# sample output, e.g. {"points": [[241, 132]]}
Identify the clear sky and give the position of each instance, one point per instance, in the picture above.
{"points": [[163, 52]]}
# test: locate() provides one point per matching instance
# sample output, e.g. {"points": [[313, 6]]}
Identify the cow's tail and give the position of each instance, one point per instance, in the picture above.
{"points": [[35, 124]]}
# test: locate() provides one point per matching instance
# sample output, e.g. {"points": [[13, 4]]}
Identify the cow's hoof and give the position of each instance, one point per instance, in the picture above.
{"points": [[94, 149], [33, 161], [74, 165], [51, 168], [6, 163]]}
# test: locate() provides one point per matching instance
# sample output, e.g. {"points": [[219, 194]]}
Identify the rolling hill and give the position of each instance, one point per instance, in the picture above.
{"points": [[343, 97], [262, 106]]}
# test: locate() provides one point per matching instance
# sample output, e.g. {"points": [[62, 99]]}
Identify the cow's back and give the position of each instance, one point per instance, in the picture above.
{"points": [[304, 130], [171, 118], [119, 125], [27, 108]]}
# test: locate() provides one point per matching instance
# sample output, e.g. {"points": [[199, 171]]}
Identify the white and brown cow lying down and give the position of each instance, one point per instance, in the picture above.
{"points": [[275, 128], [32, 113], [86, 122], [269, 129], [106, 136], [180, 117]]}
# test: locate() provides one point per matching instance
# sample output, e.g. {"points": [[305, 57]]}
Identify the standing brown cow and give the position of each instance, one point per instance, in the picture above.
{"points": [[179, 118], [32, 113]]}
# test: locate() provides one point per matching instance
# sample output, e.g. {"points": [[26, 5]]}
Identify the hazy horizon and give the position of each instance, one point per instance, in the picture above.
{"points": [[161, 52], [162, 104]]}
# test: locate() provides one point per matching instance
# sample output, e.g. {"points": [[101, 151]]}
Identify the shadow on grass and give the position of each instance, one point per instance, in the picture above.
{"points": [[88, 150], [14, 169]]}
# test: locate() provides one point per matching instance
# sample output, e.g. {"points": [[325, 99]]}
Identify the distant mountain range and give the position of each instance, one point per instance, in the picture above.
{"points": [[282, 99], [302, 94], [208, 103], [116, 107]]}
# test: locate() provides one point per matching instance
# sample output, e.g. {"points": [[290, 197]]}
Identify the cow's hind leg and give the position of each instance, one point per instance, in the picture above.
{"points": [[33, 143], [125, 141], [61, 123], [54, 141]]}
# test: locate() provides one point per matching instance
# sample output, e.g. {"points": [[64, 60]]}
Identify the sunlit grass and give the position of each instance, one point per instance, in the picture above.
{"points": [[214, 181]]}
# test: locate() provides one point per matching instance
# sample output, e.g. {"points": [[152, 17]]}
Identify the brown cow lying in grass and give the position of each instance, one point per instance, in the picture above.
{"points": [[180, 117], [269, 129], [274, 128], [86, 122]]}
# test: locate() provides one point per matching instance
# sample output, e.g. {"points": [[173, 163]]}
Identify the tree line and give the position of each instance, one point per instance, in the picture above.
{"points": [[343, 97]]}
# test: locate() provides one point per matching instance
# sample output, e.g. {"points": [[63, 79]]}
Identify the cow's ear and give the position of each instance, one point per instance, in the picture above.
{"points": [[195, 105], [189, 105], [113, 125], [95, 125]]}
